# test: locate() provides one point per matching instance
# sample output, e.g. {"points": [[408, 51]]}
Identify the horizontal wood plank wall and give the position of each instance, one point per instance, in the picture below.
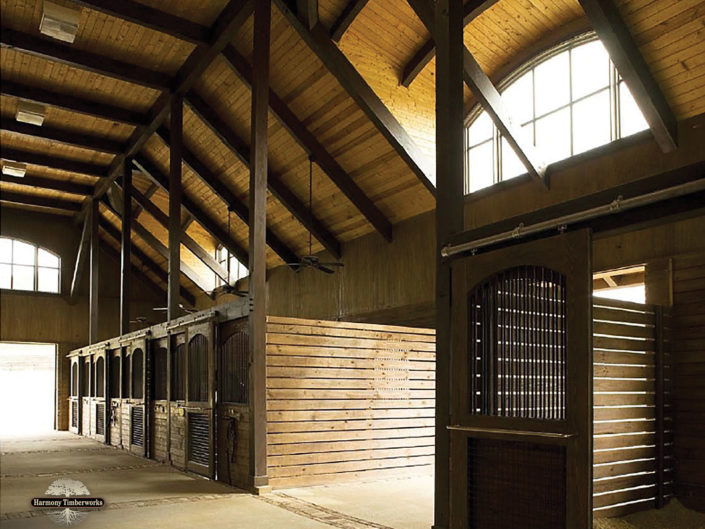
{"points": [[626, 440], [688, 323], [348, 401]]}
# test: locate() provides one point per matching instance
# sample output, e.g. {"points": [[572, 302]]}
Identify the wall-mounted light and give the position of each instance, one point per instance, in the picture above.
{"points": [[29, 112], [11, 168], [59, 22]]}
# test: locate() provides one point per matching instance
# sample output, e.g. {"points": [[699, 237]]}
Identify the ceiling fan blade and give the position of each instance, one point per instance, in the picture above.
{"points": [[325, 269], [332, 264]]}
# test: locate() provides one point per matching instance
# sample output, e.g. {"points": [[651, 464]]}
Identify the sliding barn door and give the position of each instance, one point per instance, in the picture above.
{"points": [[200, 399], [521, 419]]}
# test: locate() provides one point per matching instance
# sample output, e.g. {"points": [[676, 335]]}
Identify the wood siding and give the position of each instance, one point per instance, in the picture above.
{"points": [[347, 401], [627, 442], [689, 371]]}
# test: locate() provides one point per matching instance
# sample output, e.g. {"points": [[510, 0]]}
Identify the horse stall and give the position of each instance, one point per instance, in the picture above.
{"points": [[356, 401]]}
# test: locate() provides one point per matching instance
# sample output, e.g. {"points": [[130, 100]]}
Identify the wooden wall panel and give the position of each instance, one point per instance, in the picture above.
{"points": [[689, 370], [626, 438], [160, 432], [347, 401]]}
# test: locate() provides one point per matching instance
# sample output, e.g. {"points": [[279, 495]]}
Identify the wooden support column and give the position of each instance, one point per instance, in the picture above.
{"points": [[126, 247], [175, 155], [449, 221], [107, 373], [257, 255], [93, 283]]}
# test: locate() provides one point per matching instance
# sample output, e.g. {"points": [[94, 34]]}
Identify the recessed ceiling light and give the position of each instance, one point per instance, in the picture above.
{"points": [[59, 22], [17, 169], [32, 113]]}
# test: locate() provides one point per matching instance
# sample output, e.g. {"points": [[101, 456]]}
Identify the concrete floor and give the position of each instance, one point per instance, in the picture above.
{"points": [[142, 493]]}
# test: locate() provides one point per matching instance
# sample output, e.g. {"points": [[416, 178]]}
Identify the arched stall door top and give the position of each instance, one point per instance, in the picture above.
{"points": [[178, 388], [516, 344], [137, 370], [198, 368], [100, 377], [74, 378], [234, 368]]}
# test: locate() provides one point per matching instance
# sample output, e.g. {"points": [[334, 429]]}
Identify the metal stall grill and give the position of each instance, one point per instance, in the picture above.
{"points": [[516, 345], [137, 422], [100, 419], [198, 442], [515, 484], [74, 413]]}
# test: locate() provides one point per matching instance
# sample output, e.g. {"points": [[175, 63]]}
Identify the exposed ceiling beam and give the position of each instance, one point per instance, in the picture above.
{"points": [[155, 19], [624, 52], [146, 261], [70, 103], [195, 248], [40, 201], [313, 147], [72, 166], [221, 190], [70, 55], [346, 18], [319, 41], [487, 95], [204, 219], [48, 183], [81, 255], [231, 18], [77, 139], [308, 12], [157, 245], [425, 54], [275, 183]]}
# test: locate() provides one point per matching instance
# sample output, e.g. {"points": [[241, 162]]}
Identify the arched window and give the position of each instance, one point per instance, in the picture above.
{"points": [[24, 266], [566, 101]]}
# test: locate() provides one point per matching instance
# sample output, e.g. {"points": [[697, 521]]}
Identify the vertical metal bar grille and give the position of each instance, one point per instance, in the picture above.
{"points": [[516, 345], [198, 435], [234, 368], [74, 413], [137, 425], [177, 372], [100, 419], [198, 369]]}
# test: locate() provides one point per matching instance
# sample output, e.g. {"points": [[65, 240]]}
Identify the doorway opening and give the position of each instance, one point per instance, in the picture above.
{"points": [[27, 373], [623, 284]]}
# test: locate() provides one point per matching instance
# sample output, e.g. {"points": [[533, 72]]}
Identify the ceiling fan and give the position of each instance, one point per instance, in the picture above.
{"points": [[181, 306], [141, 320], [310, 260]]}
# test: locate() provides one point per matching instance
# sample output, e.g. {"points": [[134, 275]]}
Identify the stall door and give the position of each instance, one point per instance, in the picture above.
{"points": [[200, 389], [521, 422], [137, 387]]}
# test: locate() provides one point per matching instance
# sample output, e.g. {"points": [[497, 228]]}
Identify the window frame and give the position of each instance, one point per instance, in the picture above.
{"points": [[615, 81], [36, 267], [224, 258]]}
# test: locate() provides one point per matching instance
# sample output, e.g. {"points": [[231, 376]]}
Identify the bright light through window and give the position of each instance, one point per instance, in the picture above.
{"points": [[235, 269], [636, 293], [567, 101], [27, 267]]}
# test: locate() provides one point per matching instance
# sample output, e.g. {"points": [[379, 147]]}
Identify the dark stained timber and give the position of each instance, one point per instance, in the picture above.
{"points": [[76, 139], [34, 200], [40, 182], [346, 18], [34, 158]]}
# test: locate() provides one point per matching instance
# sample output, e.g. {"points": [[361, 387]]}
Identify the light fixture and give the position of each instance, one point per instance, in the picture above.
{"points": [[11, 168], [32, 113], [59, 22]]}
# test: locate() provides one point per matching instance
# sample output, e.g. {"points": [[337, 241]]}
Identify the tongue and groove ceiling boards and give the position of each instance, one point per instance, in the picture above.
{"points": [[356, 93]]}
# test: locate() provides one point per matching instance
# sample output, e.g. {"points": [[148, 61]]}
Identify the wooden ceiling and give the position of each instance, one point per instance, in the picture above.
{"points": [[373, 150]]}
